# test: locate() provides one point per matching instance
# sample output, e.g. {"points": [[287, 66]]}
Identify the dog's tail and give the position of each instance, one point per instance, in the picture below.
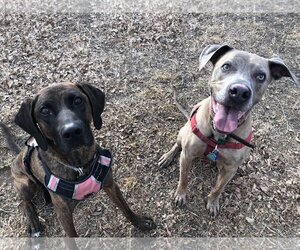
{"points": [[181, 109], [10, 139]]}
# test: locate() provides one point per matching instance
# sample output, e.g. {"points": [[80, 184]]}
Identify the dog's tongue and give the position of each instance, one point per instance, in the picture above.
{"points": [[226, 119]]}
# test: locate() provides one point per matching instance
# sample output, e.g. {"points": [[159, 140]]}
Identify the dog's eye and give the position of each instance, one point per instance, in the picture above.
{"points": [[261, 77], [78, 101], [226, 67], [44, 111]]}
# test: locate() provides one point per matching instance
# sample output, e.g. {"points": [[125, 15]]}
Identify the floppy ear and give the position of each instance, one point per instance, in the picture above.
{"points": [[278, 69], [24, 119], [97, 101], [212, 53]]}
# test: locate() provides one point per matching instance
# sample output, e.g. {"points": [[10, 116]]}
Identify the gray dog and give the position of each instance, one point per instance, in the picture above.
{"points": [[220, 127]]}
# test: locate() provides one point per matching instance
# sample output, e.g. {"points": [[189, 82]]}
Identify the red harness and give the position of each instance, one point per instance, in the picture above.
{"points": [[211, 142]]}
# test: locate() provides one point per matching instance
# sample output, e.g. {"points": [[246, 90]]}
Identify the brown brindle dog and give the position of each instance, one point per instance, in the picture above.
{"points": [[239, 80], [59, 119]]}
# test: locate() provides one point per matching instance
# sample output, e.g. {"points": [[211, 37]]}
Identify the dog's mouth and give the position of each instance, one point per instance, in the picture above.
{"points": [[80, 155], [226, 119], [76, 148]]}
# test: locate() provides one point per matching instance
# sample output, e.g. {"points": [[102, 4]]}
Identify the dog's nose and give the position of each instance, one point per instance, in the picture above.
{"points": [[239, 93], [71, 131]]}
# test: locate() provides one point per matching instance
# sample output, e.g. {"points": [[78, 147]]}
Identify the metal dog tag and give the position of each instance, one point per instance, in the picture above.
{"points": [[214, 155]]}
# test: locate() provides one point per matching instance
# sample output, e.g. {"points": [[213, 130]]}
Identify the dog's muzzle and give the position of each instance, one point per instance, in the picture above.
{"points": [[74, 135], [239, 94], [72, 131]]}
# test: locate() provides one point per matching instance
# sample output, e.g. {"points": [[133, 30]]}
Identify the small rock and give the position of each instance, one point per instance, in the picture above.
{"points": [[250, 220], [264, 189]]}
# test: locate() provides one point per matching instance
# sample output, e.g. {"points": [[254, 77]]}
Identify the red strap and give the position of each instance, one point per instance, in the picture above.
{"points": [[212, 142], [208, 150]]}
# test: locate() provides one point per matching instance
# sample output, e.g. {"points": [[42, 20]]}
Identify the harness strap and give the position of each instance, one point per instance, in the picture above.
{"points": [[26, 162], [80, 189], [208, 150], [84, 186], [27, 168], [211, 142]]}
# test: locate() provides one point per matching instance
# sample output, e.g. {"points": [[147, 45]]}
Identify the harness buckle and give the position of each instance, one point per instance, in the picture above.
{"points": [[80, 171], [221, 141]]}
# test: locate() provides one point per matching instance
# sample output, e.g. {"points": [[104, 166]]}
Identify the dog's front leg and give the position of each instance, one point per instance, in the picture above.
{"points": [[26, 189], [64, 211], [185, 167], [114, 193], [226, 172]]}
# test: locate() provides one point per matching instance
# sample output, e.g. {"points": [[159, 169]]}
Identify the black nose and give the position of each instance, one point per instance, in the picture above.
{"points": [[239, 93], [71, 131]]}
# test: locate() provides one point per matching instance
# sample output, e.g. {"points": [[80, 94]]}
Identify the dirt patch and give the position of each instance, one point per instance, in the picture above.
{"points": [[134, 58]]}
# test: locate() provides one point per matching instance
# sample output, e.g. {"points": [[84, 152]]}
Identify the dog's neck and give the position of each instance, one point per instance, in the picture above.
{"points": [[62, 166]]}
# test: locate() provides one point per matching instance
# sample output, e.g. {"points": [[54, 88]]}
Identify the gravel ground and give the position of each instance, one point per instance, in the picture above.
{"points": [[135, 58]]}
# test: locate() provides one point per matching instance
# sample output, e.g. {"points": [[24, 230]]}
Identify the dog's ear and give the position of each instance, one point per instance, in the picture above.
{"points": [[25, 119], [212, 53], [97, 102], [278, 69]]}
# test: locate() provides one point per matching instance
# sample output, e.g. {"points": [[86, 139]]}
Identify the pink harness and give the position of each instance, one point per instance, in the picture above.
{"points": [[81, 189], [84, 186]]}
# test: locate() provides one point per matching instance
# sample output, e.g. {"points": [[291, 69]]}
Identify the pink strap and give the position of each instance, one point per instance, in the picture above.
{"points": [[86, 188], [53, 182]]}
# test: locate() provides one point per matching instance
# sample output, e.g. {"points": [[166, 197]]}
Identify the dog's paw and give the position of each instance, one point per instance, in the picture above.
{"points": [[33, 233], [165, 160], [145, 223], [213, 207], [180, 200], [36, 235], [36, 243]]}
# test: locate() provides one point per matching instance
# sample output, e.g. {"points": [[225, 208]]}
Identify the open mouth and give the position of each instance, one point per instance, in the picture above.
{"points": [[226, 119]]}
